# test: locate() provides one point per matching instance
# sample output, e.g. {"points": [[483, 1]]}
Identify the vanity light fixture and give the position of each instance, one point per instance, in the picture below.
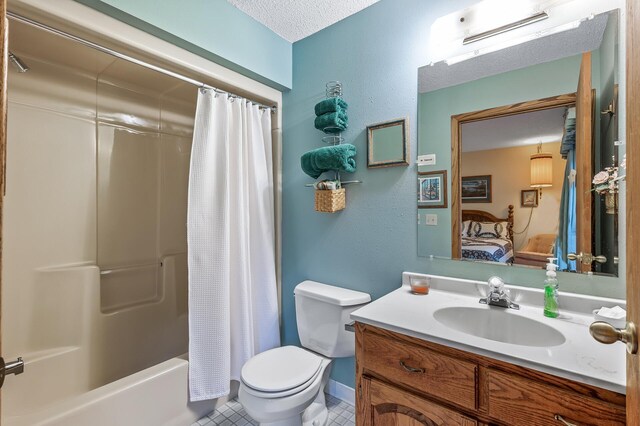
{"points": [[514, 42], [541, 170], [504, 28]]}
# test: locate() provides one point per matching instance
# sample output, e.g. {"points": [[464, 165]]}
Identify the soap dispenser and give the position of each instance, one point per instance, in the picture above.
{"points": [[551, 290]]}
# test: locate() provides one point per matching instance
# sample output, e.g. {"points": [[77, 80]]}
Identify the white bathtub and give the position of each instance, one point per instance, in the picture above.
{"points": [[155, 396]]}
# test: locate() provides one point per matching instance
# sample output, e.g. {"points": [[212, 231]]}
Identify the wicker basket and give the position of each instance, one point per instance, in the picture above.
{"points": [[330, 200]]}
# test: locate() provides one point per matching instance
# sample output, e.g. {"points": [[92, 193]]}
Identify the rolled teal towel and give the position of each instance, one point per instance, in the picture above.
{"points": [[333, 122], [339, 157], [331, 105]]}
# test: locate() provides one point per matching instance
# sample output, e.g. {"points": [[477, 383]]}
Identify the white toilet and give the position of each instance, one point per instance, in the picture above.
{"points": [[285, 386]]}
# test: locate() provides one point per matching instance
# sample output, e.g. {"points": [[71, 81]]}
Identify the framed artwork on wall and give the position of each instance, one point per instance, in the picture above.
{"points": [[388, 143], [432, 190], [529, 198], [476, 189]]}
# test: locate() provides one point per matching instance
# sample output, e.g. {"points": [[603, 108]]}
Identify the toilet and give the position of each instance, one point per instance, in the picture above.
{"points": [[285, 386]]}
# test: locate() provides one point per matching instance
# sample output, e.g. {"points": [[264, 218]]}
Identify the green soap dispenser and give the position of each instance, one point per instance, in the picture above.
{"points": [[551, 290]]}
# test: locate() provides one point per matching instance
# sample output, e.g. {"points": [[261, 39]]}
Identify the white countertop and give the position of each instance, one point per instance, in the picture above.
{"points": [[579, 358]]}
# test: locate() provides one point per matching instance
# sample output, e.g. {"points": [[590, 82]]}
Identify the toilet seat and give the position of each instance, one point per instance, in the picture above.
{"points": [[281, 372]]}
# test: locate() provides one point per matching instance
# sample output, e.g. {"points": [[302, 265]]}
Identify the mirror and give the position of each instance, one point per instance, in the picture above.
{"points": [[387, 144], [532, 136]]}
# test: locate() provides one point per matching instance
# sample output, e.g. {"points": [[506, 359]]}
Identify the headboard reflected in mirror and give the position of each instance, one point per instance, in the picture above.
{"points": [[538, 127], [484, 236]]}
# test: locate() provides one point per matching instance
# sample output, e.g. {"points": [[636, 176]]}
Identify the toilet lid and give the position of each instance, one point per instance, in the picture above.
{"points": [[280, 369]]}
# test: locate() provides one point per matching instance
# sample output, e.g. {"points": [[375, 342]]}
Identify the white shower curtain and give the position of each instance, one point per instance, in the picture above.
{"points": [[233, 310]]}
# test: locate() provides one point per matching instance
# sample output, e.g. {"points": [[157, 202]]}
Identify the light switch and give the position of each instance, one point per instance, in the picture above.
{"points": [[430, 219]]}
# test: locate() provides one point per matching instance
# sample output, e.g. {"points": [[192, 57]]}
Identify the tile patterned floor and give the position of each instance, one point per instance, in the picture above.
{"points": [[232, 414]]}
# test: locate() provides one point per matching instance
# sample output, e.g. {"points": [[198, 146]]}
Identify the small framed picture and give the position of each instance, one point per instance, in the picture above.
{"points": [[432, 190], [388, 143], [529, 198], [476, 189]]}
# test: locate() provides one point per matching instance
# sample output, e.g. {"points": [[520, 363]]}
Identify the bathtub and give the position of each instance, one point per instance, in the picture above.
{"points": [[155, 396]]}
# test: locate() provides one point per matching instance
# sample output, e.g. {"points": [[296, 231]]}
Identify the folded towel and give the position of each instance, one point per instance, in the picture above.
{"points": [[331, 105], [339, 157], [333, 122]]}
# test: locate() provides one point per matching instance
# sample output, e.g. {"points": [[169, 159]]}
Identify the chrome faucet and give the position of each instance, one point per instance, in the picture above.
{"points": [[498, 295]]}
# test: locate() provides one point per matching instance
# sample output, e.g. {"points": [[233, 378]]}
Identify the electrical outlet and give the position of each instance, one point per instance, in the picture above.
{"points": [[431, 219]]}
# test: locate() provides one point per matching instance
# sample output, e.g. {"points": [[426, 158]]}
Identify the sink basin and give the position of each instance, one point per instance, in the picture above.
{"points": [[500, 325]]}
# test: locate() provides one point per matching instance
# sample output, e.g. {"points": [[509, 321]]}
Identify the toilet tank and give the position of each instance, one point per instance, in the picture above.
{"points": [[321, 313]]}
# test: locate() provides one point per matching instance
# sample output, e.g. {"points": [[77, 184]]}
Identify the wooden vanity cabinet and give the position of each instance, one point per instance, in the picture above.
{"points": [[402, 380]]}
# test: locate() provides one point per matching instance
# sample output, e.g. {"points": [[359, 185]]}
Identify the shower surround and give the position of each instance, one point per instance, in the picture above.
{"points": [[95, 275]]}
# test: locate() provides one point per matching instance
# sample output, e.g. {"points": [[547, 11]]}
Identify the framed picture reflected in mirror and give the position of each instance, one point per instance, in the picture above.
{"points": [[476, 189], [432, 190], [529, 198]]}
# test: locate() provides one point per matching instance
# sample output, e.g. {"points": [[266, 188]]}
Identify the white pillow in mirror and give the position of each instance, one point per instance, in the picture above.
{"points": [[466, 225], [489, 230]]}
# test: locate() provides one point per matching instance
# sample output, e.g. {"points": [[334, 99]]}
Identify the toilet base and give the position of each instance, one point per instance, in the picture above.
{"points": [[317, 413]]}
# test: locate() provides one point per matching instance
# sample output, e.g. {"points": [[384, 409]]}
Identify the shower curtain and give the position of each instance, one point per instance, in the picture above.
{"points": [[233, 309]]}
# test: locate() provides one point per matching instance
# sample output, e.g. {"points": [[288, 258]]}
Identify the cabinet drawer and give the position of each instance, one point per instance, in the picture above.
{"points": [[519, 401], [426, 371], [391, 406]]}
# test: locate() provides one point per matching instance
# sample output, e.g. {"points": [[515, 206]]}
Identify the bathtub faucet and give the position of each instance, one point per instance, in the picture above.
{"points": [[13, 367]]}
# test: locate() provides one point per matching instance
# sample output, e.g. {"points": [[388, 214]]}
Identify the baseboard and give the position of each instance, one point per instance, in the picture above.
{"points": [[341, 391]]}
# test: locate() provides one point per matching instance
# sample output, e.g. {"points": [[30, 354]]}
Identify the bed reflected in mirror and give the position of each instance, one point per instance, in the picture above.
{"points": [[512, 173]]}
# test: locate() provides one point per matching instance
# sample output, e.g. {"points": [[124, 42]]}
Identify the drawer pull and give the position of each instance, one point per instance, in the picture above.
{"points": [[411, 369], [559, 418]]}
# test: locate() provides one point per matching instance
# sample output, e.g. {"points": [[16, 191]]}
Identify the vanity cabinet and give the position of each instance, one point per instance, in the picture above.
{"points": [[402, 380], [389, 405]]}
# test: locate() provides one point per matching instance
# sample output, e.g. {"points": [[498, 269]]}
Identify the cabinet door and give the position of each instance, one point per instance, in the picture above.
{"points": [[523, 402], [386, 405]]}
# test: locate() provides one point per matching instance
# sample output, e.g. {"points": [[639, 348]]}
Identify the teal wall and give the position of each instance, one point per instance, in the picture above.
{"points": [[213, 29], [376, 54]]}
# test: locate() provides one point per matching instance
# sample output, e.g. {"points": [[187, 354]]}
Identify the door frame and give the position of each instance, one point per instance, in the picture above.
{"points": [[4, 52], [632, 198], [568, 99]]}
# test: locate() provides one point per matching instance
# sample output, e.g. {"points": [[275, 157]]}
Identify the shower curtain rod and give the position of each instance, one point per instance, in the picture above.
{"points": [[130, 58]]}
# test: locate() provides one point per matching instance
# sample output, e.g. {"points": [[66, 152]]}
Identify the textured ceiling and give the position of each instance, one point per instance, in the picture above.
{"points": [[585, 38], [514, 130], [296, 19]]}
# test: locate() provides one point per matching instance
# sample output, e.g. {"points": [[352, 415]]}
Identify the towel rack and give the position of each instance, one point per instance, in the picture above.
{"points": [[333, 89], [343, 183]]}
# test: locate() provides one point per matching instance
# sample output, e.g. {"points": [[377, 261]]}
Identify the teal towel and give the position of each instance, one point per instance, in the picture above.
{"points": [[333, 122], [331, 105], [339, 157]]}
